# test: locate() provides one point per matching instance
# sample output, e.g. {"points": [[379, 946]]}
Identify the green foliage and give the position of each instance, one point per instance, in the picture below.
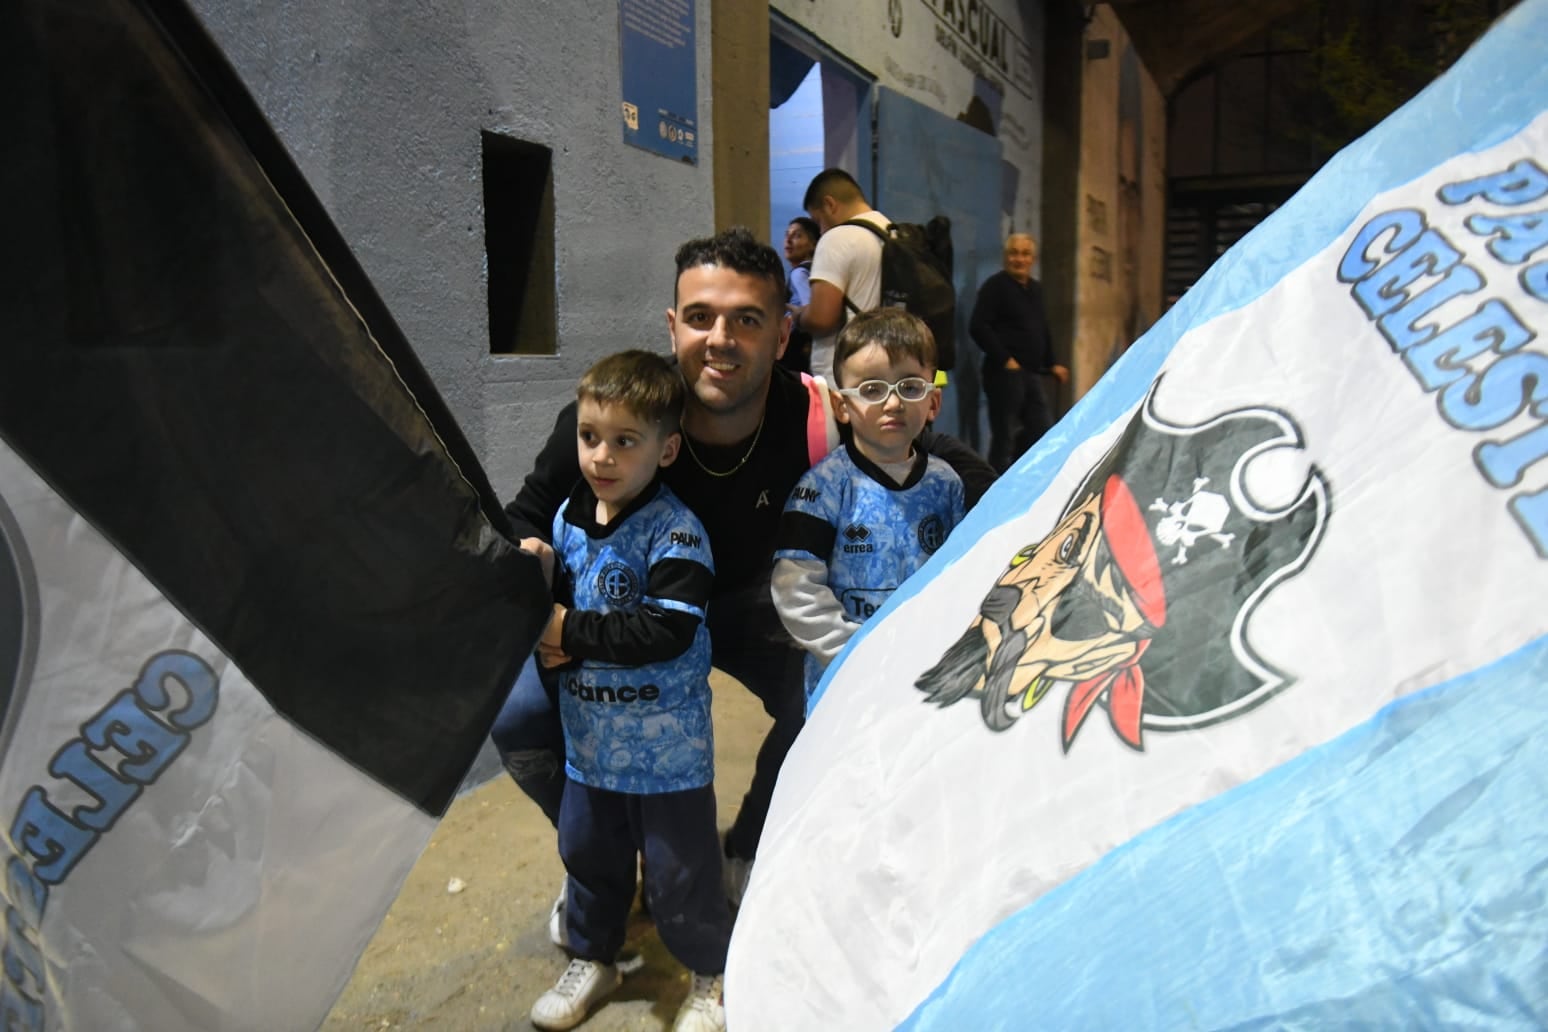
{"points": [[1371, 56]]}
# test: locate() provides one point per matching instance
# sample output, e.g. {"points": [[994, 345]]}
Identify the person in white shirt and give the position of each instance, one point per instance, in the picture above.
{"points": [[846, 268]]}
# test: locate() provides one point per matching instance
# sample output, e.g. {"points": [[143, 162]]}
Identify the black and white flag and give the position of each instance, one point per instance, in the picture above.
{"points": [[257, 610]]}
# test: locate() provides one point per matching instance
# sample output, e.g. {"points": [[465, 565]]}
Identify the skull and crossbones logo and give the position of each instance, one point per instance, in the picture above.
{"points": [[1202, 515]]}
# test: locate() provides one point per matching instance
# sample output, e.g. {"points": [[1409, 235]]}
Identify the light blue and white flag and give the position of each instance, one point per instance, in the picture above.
{"points": [[1225, 707]]}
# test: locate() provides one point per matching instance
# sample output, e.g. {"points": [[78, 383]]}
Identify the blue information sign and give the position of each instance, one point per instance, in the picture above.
{"points": [[660, 77]]}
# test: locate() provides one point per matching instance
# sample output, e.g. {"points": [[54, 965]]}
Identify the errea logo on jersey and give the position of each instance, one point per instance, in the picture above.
{"points": [[858, 537]]}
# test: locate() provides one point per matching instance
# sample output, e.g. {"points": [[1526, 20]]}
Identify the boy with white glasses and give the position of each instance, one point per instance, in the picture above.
{"points": [[867, 516]]}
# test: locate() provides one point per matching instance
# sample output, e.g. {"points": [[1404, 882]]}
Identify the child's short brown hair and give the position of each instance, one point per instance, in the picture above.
{"points": [[643, 382], [899, 332]]}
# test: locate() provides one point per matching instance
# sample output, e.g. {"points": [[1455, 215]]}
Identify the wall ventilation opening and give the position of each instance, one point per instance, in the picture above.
{"points": [[519, 246]]}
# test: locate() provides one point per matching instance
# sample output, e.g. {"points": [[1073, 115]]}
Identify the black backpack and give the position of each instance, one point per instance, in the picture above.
{"points": [[916, 274]]}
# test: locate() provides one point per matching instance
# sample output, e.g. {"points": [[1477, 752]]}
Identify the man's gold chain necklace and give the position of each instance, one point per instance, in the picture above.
{"points": [[688, 443]]}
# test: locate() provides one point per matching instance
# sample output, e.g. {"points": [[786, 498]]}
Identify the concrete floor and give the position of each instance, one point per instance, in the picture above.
{"points": [[476, 959]]}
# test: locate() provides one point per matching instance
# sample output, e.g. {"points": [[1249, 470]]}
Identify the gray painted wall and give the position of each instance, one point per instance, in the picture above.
{"points": [[381, 105], [922, 49]]}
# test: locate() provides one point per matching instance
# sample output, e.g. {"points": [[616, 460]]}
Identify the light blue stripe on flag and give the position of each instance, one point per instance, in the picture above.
{"points": [[1493, 92], [1396, 877]]}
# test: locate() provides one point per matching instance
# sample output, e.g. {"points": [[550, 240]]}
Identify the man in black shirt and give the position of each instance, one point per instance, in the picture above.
{"points": [[1010, 325], [746, 442]]}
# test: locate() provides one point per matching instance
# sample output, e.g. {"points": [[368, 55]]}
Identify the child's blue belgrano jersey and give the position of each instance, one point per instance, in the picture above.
{"points": [[641, 728], [871, 531]]}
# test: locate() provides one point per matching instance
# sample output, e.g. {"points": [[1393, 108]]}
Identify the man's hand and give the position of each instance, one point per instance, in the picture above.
{"points": [[549, 658], [545, 553], [553, 634], [550, 652], [1011, 365], [1060, 373]]}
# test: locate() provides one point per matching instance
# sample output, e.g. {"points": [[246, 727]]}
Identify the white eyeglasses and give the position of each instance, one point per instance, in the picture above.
{"points": [[876, 392]]}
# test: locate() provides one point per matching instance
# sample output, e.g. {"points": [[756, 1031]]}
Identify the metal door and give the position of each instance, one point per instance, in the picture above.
{"points": [[930, 164]]}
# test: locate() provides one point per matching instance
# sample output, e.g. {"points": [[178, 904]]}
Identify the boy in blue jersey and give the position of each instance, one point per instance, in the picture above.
{"points": [[867, 516], [627, 640]]}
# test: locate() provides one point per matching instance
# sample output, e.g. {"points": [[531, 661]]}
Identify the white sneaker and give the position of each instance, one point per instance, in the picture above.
{"points": [[705, 1008], [734, 875], [558, 929], [583, 983]]}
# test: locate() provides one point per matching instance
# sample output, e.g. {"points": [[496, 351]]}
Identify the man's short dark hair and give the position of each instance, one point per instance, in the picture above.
{"points": [[808, 226], [834, 183], [735, 249], [900, 333], [643, 383]]}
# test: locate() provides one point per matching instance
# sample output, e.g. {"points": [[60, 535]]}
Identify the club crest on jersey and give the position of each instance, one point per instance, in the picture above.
{"points": [[931, 533], [1144, 608], [617, 583]]}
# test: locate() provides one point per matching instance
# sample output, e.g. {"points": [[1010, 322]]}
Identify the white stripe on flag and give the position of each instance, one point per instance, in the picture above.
{"points": [[198, 862]]}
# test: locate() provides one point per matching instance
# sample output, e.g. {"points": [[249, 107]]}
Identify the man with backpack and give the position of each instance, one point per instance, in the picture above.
{"points": [[865, 261], [847, 264]]}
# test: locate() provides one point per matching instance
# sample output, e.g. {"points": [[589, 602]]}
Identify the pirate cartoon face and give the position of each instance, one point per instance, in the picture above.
{"points": [[1142, 607]]}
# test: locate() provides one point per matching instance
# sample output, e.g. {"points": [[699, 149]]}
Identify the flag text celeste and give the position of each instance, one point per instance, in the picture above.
{"points": [[126, 746], [1403, 270]]}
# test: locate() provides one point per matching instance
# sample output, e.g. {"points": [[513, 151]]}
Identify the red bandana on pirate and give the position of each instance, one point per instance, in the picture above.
{"points": [[1128, 538]]}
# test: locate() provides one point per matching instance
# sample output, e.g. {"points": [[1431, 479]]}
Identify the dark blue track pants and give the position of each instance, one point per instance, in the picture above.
{"points": [[600, 832]]}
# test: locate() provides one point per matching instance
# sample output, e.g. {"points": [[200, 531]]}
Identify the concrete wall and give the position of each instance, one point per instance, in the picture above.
{"points": [[741, 85], [382, 105], [1121, 202], [943, 53], [1152, 206]]}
